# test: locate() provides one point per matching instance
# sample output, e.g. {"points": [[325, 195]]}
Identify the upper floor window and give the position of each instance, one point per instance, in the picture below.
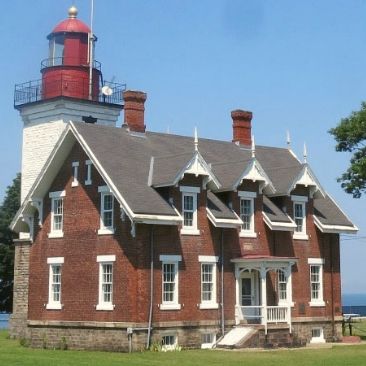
{"points": [[247, 213], [106, 211], [57, 214], [208, 282], [299, 210], [105, 298], [316, 281], [88, 179], [54, 283], [75, 171], [189, 210], [170, 291]]}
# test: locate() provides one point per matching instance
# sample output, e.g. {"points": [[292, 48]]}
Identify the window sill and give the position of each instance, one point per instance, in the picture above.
{"points": [[56, 234], [54, 306], [74, 184], [207, 345], [189, 232], [88, 182], [317, 303], [300, 236], [106, 231], [208, 306], [106, 307], [170, 306], [317, 340], [291, 304], [247, 234]]}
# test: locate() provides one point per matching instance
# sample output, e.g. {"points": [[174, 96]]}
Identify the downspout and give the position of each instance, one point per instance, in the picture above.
{"points": [[222, 285], [332, 285], [151, 285]]}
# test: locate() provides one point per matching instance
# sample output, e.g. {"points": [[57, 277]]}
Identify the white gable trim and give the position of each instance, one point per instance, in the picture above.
{"points": [[279, 226], [256, 173], [198, 166], [307, 178], [334, 229], [226, 223]]}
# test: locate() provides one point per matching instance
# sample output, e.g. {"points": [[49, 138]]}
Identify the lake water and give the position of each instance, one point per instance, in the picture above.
{"points": [[4, 320]]}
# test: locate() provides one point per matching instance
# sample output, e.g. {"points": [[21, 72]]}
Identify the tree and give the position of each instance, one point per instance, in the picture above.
{"points": [[8, 210], [350, 135]]}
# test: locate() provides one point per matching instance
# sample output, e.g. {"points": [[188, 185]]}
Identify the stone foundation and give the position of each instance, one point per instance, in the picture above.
{"points": [[115, 336]]}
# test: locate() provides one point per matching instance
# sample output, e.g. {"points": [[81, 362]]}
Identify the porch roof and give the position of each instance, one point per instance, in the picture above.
{"points": [[263, 258]]}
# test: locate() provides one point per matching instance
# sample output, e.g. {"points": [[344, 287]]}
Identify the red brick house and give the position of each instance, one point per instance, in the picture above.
{"points": [[130, 237]]}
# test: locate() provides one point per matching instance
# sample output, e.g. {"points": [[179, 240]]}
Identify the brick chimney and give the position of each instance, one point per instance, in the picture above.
{"points": [[134, 110], [242, 127]]}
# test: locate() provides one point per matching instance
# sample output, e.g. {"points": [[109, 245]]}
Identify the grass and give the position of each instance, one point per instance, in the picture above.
{"points": [[358, 328], [11, 353]]}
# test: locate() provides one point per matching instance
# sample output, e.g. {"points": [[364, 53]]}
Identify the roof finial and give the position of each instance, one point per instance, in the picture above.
{"points": [[73, 12], [195, 139], [288, 139], [253, 147], [305, 154]]}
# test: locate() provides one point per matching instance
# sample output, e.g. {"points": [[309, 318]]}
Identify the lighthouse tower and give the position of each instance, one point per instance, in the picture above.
{"points": [[71, 89]]}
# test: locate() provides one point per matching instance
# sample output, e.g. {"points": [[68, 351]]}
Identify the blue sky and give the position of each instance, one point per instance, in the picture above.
{"points": [[297, 65]]}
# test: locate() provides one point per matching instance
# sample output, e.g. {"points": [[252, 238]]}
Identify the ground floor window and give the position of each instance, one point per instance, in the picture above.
{"points": [[169, 342], [317, 335]]}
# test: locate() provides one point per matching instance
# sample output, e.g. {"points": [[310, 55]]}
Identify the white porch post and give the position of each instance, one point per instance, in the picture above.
{"points": [[263, 274], [237, 295], [288, 273]]}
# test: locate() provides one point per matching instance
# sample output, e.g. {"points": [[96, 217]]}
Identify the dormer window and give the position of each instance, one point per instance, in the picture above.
{"points": [[299, 215], [106, 211], [247, 213], [189, 210]]}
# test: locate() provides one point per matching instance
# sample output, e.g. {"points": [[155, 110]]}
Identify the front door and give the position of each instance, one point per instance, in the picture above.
{"points": [[248, 290]]}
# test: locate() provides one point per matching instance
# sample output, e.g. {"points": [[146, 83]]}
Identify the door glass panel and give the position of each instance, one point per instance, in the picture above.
{"points": [[246, 292]]}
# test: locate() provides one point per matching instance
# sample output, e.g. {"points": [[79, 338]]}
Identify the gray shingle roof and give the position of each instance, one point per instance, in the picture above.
{"points": [[218, 208], [126, 157]]}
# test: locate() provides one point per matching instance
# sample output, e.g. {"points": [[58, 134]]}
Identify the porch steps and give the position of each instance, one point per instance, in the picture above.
{"points": [[236, 337]]}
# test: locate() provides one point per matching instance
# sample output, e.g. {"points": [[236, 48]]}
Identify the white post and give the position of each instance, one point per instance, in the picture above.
{"points": [[237, 295], [288, 273], [263, 275]]}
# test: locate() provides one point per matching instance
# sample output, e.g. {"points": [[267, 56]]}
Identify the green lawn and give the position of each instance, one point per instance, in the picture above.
{"points": [[11, 353]]}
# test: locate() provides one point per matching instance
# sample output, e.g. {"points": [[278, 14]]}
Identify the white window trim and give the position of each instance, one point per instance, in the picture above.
{"points": [[105, 259], [88, 180], [104, 190], [317, 262], [56, 195], [248, 195], [208, 259], [209, 345], [170, 347], [319, 339], [302, 200], [75, 171], [190, 191], [51, 261], [170, 259]]}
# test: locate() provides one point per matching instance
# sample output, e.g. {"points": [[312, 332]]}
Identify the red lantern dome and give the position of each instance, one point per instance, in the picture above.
{"points": [[67, 70]]}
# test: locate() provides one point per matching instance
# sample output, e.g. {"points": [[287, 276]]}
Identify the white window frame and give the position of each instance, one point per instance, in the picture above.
{"points": [[191, 192], [248, 196], [320, 338], [212, 261], [105, 230], [75, 172], [316, 262], [279, 282], [88, 180], [169, 347], [173, 260], [300, 200], [105, 260], [52, 263], [55, 196], [206, 345]]}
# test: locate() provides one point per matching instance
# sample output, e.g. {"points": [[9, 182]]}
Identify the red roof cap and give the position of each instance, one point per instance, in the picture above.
{"points": [[72, 24]]}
